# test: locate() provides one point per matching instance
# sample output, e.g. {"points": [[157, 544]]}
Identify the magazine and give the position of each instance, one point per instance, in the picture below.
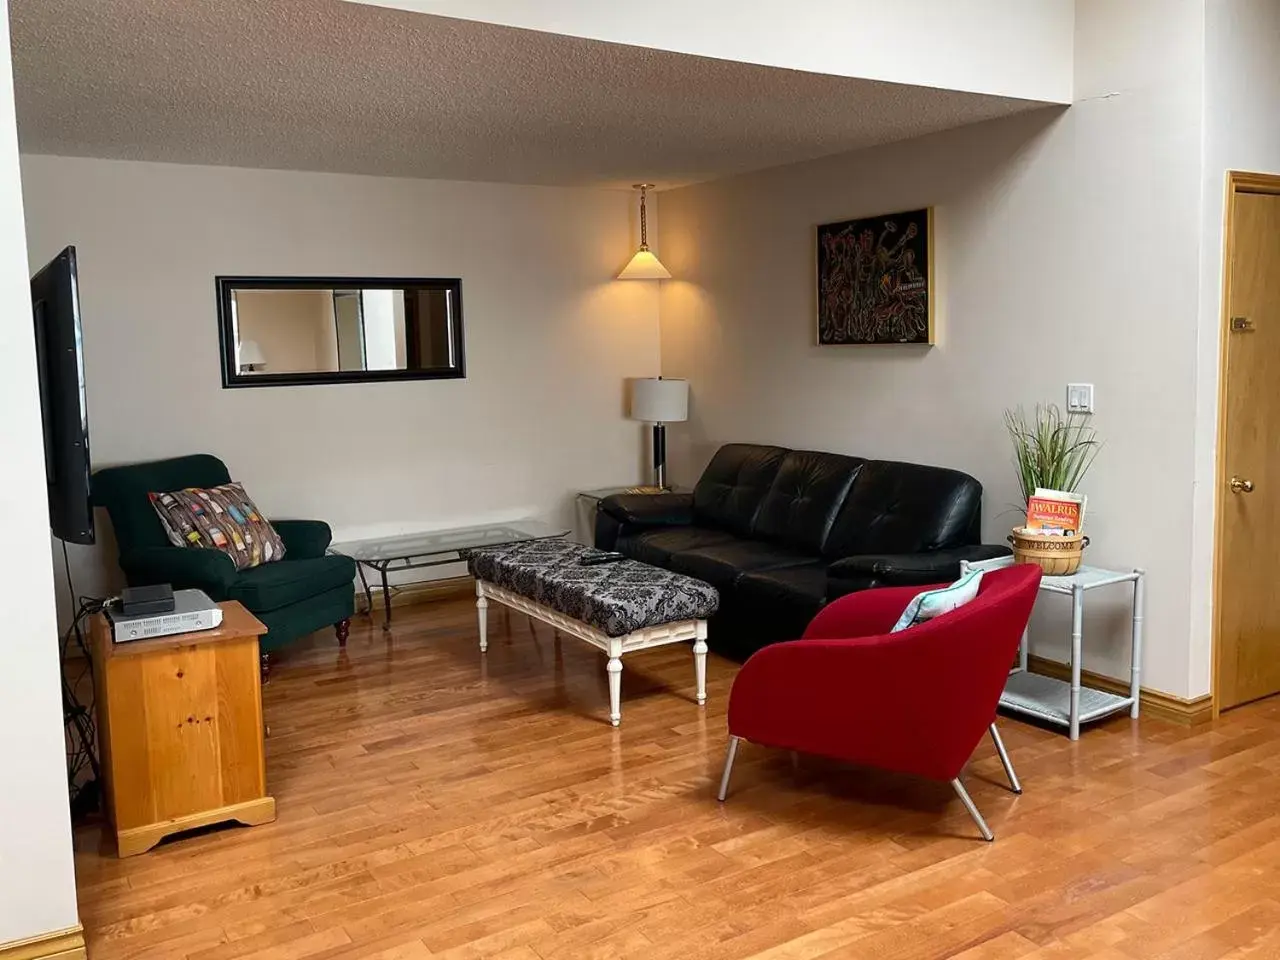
{"points": [[1055, 512]]}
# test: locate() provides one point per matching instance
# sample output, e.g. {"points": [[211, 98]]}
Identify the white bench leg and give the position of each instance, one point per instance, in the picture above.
{"points": [[482, 613], [615, 690], [700, 668]]}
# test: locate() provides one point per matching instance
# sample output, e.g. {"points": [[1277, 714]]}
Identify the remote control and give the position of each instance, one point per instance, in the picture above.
{"points": [[595, 559]]}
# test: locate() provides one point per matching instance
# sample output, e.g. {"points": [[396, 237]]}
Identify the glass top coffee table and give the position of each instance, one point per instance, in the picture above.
{"points": [[434, 548]]}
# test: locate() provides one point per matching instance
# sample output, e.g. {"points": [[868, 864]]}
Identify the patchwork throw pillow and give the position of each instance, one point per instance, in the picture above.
{"points": [[219, 518], [933, 603]]}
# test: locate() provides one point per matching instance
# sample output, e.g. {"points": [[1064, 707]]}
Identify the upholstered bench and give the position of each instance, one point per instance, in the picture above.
{"points": [[618, 607]]}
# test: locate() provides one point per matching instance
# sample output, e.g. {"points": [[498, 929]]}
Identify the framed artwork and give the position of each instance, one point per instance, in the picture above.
{"points": [[875, 279]]}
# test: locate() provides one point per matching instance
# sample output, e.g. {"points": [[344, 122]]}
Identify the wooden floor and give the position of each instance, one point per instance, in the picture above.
{"points": [[436, 803]]}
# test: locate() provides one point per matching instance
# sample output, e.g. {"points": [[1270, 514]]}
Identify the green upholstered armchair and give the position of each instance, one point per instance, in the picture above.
{"points": [[295, 596]]}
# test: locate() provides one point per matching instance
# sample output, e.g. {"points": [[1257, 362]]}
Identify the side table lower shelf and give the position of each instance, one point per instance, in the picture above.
{"points": [[1052, 700], [1048, 699]]}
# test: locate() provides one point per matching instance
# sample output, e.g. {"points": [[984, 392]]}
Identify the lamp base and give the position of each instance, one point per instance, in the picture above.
{"points": [[660, 456]]}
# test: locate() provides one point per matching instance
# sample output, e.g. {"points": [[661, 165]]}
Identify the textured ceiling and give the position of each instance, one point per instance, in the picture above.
{"points": [[326, 85]]}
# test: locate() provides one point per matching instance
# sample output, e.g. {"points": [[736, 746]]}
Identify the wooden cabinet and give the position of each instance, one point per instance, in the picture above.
{"points": [[180, 730]]}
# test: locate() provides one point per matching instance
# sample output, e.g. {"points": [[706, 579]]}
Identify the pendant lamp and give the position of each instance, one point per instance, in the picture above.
{"points": [[644, 265]]}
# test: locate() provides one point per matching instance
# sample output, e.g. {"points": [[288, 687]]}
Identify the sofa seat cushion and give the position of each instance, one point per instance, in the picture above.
{"points": [[771, 606], [803, 586], [286, 624], [721, 564], [275, 585], [657, 546]]}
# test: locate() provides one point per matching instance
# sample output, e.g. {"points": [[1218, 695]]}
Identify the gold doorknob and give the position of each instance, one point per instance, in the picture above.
{"points": [[1240, 485]]}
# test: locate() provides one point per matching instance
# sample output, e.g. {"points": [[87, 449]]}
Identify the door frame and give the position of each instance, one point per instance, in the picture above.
{"points": [[1238, 182]]}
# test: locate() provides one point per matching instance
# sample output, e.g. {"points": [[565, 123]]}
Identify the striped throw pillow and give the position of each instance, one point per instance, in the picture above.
{"points": [[219, 518]]}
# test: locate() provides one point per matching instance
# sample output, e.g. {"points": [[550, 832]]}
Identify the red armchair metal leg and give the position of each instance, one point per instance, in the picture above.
{"points": [[1004, 759], [967, 800], [729, 757], [969, 805]]}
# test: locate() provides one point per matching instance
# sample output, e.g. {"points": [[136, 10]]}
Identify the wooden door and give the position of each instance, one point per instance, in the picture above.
{"points": [[1248, 598]]}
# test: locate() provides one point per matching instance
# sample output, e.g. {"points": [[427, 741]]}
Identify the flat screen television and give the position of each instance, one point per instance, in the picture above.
{"points": [[55, 304]]}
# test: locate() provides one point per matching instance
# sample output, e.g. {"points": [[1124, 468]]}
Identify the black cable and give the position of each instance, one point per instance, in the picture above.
{"points": [[78, 718], [66, 564]]}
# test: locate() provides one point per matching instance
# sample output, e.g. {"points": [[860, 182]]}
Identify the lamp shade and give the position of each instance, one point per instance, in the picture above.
{"points": [[644, 266], [251, 353], [659, 401]]}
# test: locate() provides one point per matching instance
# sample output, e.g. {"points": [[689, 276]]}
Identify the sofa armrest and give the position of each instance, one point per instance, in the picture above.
{"points": [[913, 569], [184, 567], [650, 509], [303, 539]]}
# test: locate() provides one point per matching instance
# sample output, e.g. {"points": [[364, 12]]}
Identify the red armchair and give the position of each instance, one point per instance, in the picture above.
{"points": [[917, 701]]}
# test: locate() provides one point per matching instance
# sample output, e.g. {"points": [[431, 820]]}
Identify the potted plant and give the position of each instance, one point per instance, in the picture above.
{"points": [[1051, 450]]}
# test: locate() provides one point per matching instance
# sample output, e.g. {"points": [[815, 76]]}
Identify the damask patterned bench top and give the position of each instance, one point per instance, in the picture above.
{"points": [[615, 598]]}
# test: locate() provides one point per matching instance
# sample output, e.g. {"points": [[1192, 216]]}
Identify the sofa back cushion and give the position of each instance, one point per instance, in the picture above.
{"points": [[801, 504], [125, 493], [906, 508], [729, 495]]}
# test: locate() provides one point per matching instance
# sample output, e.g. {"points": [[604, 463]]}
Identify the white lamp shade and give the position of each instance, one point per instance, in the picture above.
{"points": [[251, 353], [644, 266], [659, 401]]}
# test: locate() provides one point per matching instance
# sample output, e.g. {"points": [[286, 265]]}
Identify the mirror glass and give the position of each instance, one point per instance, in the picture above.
{"points": [[278, 331]]}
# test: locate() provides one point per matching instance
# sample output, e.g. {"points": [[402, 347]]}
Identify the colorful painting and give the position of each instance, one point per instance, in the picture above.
{"points": [[875, 279]]}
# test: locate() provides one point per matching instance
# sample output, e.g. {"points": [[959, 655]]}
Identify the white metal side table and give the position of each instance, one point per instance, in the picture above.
{"points": [[1057, 701]]}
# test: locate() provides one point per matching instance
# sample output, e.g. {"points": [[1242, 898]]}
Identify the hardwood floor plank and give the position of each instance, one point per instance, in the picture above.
{"points": [[436, 803]]}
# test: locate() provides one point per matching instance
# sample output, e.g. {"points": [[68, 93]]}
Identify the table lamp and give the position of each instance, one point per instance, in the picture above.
{"points": [[251, 356], [659, 401]]}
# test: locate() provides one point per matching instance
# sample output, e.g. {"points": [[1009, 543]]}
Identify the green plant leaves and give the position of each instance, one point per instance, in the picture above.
{"points": [[1050, 449]]}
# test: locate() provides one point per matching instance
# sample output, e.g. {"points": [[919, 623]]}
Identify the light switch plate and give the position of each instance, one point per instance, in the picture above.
{"points": [[1079, 398]]}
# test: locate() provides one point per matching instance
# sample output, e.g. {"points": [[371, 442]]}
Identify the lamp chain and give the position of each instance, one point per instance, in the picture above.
{"points": [[644, 226]]}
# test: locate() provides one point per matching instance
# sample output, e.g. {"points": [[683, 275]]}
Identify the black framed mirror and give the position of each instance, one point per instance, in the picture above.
{"points": [[284, 331]]}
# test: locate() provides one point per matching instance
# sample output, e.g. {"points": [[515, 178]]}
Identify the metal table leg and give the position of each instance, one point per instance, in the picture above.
{"points": [[386, 598], [1077, 629], [368, 594], [1135, 669]]}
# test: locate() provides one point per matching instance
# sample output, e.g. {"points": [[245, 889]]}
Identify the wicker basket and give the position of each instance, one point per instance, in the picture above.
{"points": [[1057, 556]]}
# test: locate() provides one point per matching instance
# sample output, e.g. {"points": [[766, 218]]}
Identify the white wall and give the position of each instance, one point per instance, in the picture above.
{"points": [[37, 883], [1014, 48], [1068, 236], [1241, 132], [550, 337]]}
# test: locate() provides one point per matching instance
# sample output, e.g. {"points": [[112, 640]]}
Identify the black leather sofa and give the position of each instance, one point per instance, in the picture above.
{"points": [[781, 532]]}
